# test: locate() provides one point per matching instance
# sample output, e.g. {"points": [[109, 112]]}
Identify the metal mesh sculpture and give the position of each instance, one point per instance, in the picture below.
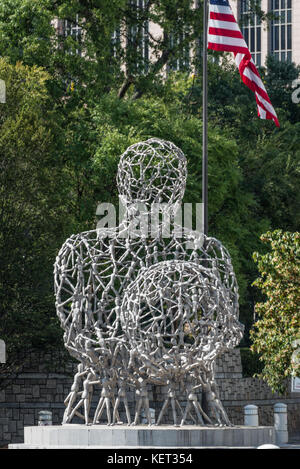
{"points": [[177, 317], [152, 172], [139, 310]]}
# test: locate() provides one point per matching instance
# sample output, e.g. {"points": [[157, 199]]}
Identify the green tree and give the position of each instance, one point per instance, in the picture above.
{"points": [[28, 34], [273, 169], [33, 217], [83, 71], [279, 315], [279, 77], [94, 114], [96, 63]]}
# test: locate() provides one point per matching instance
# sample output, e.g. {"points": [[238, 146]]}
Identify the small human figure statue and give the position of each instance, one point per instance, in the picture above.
{"points": [[105, 401], [215, 406], [76, 313], [121, 396], [193, 402], [171, 397], [86, 397], [142, 399], [90, 354], [175, 352], [158, 351], [74, 393]]}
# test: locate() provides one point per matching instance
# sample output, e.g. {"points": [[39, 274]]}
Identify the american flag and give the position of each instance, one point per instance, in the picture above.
{"points": [[224, 35]]}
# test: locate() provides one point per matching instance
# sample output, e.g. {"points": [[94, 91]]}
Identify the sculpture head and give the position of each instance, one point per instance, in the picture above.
{"points": [[150, 172]]}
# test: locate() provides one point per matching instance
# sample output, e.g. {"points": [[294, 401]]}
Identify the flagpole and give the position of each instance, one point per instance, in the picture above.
{"points": [[204, 399], [204, 134]]}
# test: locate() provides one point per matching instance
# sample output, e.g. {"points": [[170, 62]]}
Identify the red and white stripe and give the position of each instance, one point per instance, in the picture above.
{"points": [[224, 35]]}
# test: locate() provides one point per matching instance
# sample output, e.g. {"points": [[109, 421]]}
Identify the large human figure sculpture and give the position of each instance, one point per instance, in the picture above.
{"points": [[154, 308]]}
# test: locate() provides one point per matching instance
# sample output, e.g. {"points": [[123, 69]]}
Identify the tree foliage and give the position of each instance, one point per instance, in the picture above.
{"points": [[278, 326], [27, 33], [73, 106], [32, 216]]}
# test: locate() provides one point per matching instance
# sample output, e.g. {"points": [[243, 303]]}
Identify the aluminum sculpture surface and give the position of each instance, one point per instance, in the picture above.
{"points": [[148, 308]]}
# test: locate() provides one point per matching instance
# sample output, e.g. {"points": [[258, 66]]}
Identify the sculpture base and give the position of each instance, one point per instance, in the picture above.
{"points": [[142, 436]]}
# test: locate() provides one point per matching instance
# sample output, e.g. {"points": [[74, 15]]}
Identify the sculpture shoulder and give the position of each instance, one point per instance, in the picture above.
{"points": [[76, 243], [68, 246], [201, 242], [209, 246]]}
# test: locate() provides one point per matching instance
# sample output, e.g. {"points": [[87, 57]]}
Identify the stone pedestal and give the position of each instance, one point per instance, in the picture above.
{"points": [[142, 436]]}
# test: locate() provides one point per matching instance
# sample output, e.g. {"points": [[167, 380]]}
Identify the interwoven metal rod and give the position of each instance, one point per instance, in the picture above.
{"points": [[140, 310]]}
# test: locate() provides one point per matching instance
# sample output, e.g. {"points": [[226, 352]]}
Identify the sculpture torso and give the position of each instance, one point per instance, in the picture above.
{"points": [[93, 270]]}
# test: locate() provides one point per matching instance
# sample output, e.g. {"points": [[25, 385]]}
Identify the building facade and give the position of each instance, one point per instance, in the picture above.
{"points": [[281, 37]]}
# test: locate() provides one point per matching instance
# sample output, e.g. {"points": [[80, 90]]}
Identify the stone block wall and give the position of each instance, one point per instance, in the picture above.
{"points": [[43, 384], [45, 381]]}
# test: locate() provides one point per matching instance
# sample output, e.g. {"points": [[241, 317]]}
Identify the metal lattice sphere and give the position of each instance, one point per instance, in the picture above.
{"points": [[153, 171], [177, 313]]}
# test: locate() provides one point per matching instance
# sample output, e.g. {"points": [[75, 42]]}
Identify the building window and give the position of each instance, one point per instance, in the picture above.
{"points": [[138, 37], [281, 30], [251, 29], [116, 42], [182, 61], [74, 30]]}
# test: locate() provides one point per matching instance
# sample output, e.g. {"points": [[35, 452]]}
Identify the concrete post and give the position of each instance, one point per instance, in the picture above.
{"points": [[280, 423], [250, 415], [2, 352], [45, 418]]}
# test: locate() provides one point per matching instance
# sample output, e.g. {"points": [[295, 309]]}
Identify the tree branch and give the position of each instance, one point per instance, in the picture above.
{"points": [[126, 84], [154, 69]]}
